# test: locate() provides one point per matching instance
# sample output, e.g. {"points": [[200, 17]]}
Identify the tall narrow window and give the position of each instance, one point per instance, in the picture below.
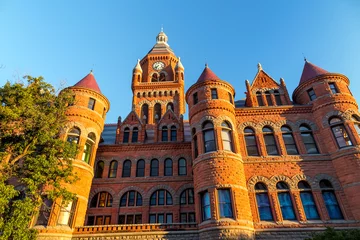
{"points": [[170, 105], [340, 133], [251, 144], [173, 134], [263, 202], [154, 168], [205, 206], [270, 143], [356, 121], [88, 147], [164, 134], [168, 169], [66, 215], [214, 94], [226, 136], [225, 206], [145, 113], [140, 168], [277, 98], [333, 88], [195, 98], [113, 169], [289, 141], [196, 150], [99, 169], [209, 137], [126, 171], [73, 135], [285, 201], [157, 112], [44, 212], [311, 94], [135, 134], [330, 200], [230, 98], [307, 200], [187, 197], [155, 77], [126, 135], [259, 99], [308, 139], [100, 200], [91, 103], [268, 98], [182, 167]]}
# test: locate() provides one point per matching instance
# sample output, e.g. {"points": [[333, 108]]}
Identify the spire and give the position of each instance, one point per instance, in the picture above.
{"points": [[259, 67], [161, 45], [207, 74], [137, 67], [179, 65], [161, 37], [310, 71], [89, 82]]}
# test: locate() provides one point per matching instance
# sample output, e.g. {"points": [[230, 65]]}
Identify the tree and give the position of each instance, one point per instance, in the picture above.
{"points": [[34, 160], [332, 234]]}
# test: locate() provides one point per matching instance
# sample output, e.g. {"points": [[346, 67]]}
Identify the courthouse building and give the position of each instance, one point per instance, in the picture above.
{"points": [[272, 166]]}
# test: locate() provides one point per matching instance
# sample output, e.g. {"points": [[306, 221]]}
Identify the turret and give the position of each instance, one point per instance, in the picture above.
{"points": [[137, 73]]}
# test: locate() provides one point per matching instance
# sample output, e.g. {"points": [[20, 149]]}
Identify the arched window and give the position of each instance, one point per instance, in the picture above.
{"points": [[196, 149], [168, 168], [230, 98], [73, 135], [268, 98], [170, 105], [102, 199], [205, 206], [157, 112], [161, 197], [285, 201], [330, 200], [140, 168], [209, 137], [113, 169], [356, 121], [126, 171], [187, 196], [173, 133], [182, 167], [250, 140], [88, 147], [308, 139], [130, 199], [135, 133], [149, 94], [289, 141], [259, 99], [126, 135], [307, 200], [263, 202], [145, 113], [154, 168], [164, 134], [277, 98], [162, 77], [270, 143], [99, 169], [138, 95], [226, 136], [155, 77], [340, 133]]}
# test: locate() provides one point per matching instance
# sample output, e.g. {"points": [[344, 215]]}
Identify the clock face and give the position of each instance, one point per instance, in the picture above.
{"points": [[158, 66]]}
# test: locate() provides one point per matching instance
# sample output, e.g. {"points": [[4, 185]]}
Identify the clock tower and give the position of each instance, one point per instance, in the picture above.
{"points": [[158, 83]]}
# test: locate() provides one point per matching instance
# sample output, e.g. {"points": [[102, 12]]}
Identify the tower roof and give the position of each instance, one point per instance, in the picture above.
{"points": [[89, 82], [138, 67], [310, 71], [207, 74], [161, 45], [179, 65]]}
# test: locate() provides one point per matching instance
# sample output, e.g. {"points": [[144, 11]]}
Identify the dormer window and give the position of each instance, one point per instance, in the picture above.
{"points": [[311, 94], [91, 104]]}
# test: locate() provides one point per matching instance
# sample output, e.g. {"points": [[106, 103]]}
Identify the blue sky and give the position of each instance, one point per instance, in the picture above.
{"points": [[63, 40]]}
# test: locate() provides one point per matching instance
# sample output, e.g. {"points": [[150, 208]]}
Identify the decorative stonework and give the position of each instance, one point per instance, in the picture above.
{"points": [[311, 124], [332, 179], [255, 179]]}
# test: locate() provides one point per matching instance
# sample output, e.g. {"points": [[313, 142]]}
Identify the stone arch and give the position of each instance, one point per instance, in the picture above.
{"points": [[311, 124], [244, 125], [180, 190], [347, 115], [223, 118], [336, 184], [125, 126], [325, 120], [130, 188], [158, 187], [292, 125], [255, 179], [70, 125], [275, 179], [103, 189], [302, 177], [143, 102], [136, 125], [266, 123]]}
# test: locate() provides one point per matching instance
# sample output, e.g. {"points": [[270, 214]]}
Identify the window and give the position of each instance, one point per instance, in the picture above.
{"points": [[140, 168], [130, 219], [113, 169], [173, 133], [44, 212], [270, 142], [230, 98], [66, 215], [98, 220], [182, 167], [205, 206], [308, 139], [311, 94], [154, 168], [268, 98], [73, 135], [152, 218], [88, 147], [135, 134], [164, 134], [196, 150], [168, 169], [102, 199], [330, 200], [225, 206], [126, 135], [130, 199], [145, 113], [214, 94], [226, 136], [289, 141], [99, 169], [169, 218], [161, 197], [333, 88], [126, 171], [277, 98], [251, 144], [259, 99], [170, 105], [90, 221], [263, 202], [157, 112], [155, 77], [195, 98], [307, 200], [356, 121], [341, 136], [91, 103], [285, 201], [162, 77], [160, 218], [209, 137], [187, 217], [187, 196]]}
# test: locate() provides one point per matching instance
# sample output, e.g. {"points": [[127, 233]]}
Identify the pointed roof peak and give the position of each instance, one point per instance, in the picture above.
{"points": [[259, 67], [89, 82], [138, 66], [207, 74], [179, 64], [310, 71]]}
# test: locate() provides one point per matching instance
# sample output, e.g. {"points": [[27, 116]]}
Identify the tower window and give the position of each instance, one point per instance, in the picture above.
{"points": [[311, 94], [356, 121], [333, 88], [88, 148], [195, 98], [225, 205], [340, 133], [230, 98], [67, 212], [214, 94], [170, 105], [226, 136], [145, 113], [74, 135], [209, 137], [91, 104], [44, 212], [205, 206], [157, 112]]}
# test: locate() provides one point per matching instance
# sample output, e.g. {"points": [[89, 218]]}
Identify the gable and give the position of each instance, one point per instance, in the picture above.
{"points": [[263, 80]]}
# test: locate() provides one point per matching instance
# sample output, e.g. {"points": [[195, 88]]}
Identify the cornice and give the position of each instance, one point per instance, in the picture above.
{"points": [[77, 114], [335, 102], [209, 82], [290, 109], [144, 147]]}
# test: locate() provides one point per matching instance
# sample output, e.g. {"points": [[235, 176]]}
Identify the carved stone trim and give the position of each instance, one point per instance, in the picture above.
{"points": [[255, 179], [275, 179], [336, 184], [158, 187], [311, 124]]}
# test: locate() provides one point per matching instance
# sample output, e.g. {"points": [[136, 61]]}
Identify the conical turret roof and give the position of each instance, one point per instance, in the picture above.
{"points": [[207, 74], [89, 82], [310, 71]]}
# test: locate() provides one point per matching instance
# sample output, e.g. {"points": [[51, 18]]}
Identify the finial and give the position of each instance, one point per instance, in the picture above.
{"points": [[206, 65], [259, 66], [91, 71], [304, 57], [162, 28]]}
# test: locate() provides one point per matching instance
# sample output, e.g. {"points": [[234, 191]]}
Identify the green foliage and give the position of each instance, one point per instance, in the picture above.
{"points": [[332, 234], [32, 155]]}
